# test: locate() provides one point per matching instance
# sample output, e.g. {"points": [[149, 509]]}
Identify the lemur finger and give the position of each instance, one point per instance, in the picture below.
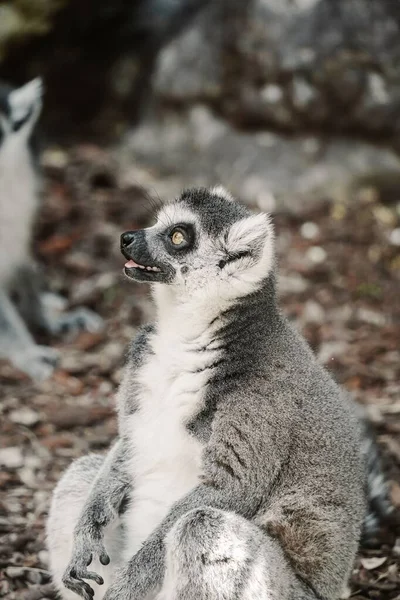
{"points": [[80, 574], [86, 588], [89, 560], [104, 558], [89, 590], [93, 576], [78, 586]]}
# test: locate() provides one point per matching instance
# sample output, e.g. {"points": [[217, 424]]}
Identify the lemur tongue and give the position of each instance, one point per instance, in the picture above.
{"points": [[130, 264]]}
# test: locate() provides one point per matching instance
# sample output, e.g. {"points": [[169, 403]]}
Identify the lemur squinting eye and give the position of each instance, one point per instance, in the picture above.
{"points": [[23, 308], [241, 470]]}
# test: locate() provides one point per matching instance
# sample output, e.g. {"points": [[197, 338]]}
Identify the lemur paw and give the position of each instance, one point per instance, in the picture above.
{"points": [[37, 361], [85, 549], [79, 319]]}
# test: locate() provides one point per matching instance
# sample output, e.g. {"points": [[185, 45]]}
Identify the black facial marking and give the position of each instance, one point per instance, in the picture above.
{"points": [[188, 232], [233, 257], [136, 247], [215, 213]]}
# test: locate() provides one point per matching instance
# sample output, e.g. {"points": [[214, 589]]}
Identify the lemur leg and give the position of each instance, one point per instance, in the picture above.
{"points": [[217, 555], [68, 501], [18, 346]]}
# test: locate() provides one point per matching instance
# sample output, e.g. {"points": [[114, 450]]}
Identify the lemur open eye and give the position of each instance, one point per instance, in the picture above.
{"points": [[178, 237]]}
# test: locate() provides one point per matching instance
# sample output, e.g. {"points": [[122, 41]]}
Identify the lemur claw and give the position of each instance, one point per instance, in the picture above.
{"points": [[73, 583]]}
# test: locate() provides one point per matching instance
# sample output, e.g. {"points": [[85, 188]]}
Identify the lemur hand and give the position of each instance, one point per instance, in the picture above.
{"points": [[88, 545]]}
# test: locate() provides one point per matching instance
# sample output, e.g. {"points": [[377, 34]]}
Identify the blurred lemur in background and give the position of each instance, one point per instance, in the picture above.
{"points": [[23, 306], [241, 471]]}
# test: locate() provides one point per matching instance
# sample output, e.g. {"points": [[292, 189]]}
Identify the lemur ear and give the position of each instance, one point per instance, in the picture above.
{"points": [[220, 191], [24, 99], [251, 233]]}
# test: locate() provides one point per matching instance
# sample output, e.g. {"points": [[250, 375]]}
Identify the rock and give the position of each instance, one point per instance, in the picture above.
{"points": [[28, 477], [309, 231], [396, 548], [394, 236], [373, 563], [301, 65], [329, 350], [291, 284], [316, 255], [24, 416], [4, 588], [54, 160], [313, 312], [43, 556], [69, 417], [34, 577], [15, 572], [11, 458], [266, 170], [373, 317]]}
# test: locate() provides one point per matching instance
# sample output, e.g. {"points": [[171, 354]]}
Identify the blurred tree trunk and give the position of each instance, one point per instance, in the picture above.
{"points": [[96, 56]]}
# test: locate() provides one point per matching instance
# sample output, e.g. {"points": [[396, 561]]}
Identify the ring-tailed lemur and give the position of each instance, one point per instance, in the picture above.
{"points": [[237, 474], [19, 201]]}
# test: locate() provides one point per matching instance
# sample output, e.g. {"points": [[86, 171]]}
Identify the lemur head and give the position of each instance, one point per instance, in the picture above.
{"points": [[19, 111], [203, 243]]}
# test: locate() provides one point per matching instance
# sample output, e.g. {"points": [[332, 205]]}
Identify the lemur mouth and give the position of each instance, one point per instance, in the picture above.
{"points": [[142, 272], [131, 264]]}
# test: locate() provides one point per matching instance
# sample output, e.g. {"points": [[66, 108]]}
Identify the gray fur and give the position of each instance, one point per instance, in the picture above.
{"points": [[19, 200], [279, 505]]}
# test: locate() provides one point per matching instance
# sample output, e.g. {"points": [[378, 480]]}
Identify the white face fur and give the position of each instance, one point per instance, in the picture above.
{"points": [[221, 252]]}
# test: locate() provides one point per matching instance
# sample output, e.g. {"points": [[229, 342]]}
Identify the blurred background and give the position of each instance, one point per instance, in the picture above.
{"points": [[294, 106]]}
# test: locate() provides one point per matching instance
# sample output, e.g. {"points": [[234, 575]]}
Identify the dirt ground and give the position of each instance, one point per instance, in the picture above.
{"points": [[340, 281]]}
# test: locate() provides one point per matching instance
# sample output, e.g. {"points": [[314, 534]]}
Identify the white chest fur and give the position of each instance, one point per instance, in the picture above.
{"points": [[18, 203], [167, 459]]}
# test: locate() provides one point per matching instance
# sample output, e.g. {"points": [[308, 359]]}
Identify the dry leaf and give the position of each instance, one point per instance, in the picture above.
{"points": [[373, 563]]}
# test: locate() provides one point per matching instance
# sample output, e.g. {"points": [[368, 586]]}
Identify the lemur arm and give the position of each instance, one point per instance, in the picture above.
{"points": [[112, 482], [110, 487], [102, 507], [107, 494], [238, 468]]}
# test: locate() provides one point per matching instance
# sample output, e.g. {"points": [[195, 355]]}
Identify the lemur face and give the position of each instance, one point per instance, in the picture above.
{"points": [[203, 243], [19, 111]]}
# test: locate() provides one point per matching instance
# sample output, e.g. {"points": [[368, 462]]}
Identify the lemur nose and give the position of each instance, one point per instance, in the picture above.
{"points": [[127, 238]]}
